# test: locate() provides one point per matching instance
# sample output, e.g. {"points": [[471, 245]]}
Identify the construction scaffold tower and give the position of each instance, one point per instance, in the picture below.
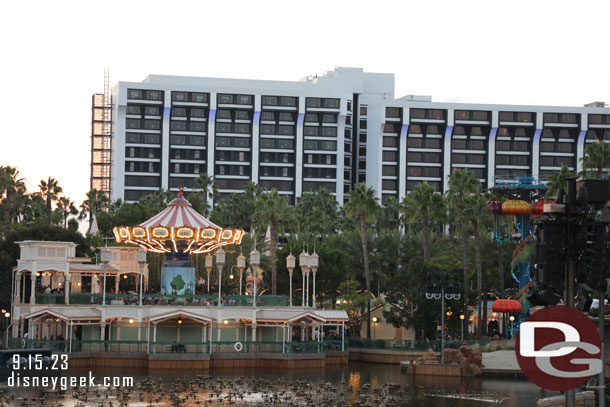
{"points": [[101, 138]]}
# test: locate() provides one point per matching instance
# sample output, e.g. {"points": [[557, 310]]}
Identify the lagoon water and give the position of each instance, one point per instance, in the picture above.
{"points": [[359, 384]]}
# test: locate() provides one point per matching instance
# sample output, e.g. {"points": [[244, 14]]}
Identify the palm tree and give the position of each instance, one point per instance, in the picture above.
{"points": [[9, 184], [558, 180], [597, 157], [96, 201], [475, 211], [318, 214], [424, 201], [273, 210], [364, 204], [462, 183], [49, 191], [208, 190], [66, 208]]}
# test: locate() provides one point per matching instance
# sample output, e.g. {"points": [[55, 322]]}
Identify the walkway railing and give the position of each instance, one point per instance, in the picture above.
{"points": [[177, 347], [160, 299], [406, 345]]}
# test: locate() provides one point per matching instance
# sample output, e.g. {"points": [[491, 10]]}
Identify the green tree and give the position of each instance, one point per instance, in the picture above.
{"points": [[10, 183], [558, 180], [96, 201], [597, 157], [462, 183], [49, 191], [208, 190], [157, 201], [317, 214], [235, 211], [66, 208], [476, 212], [273, 211], [429, 205], [389, 217], [364, 204], [177, 283]]}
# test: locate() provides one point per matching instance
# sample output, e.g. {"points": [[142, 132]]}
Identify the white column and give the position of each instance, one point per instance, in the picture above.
{"points": [[342, 336], [117, 279], [67, 288], [254, 162], [33, 287], [298, 166], [447, 150], [17, 293], [155, 337], [165, 141], [103, 331], [211, 134]]}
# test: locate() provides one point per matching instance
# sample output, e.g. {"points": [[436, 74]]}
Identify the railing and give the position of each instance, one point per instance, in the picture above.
{"points": [[406, 346], [177, 347], [160, 299]]}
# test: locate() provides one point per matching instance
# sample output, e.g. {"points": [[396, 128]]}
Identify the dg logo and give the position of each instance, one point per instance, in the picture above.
{"points": [[558, 348]]}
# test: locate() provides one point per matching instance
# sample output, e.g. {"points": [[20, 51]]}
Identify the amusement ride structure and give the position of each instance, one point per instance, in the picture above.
{"points": [[513, 222]]}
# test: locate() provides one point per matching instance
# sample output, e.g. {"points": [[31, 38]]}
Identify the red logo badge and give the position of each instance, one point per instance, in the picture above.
{"points": [[558, 348]]}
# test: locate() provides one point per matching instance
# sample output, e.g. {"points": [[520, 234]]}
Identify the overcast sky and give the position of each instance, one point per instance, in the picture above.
{"points": [[54, 53]]}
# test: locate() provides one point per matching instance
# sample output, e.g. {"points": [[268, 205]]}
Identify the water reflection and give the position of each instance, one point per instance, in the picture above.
{"points": [[358, 384]]}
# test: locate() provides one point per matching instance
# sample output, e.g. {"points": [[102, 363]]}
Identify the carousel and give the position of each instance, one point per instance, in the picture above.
{"points": [[178, 229]]}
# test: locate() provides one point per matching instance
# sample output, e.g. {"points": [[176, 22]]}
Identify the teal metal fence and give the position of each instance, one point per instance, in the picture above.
{"points": [[177, 347], [405, 346], [159, 299]]}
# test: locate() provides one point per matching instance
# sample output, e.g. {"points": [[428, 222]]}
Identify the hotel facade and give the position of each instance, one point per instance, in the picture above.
{"points": [[331, 131]]}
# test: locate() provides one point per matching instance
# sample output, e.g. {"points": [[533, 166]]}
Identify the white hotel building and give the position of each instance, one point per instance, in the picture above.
{"points": [[331, 131]]}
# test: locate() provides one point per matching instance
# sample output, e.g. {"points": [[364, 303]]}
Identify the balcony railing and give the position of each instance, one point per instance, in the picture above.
{"points": [[160, 299], [176, 347]]}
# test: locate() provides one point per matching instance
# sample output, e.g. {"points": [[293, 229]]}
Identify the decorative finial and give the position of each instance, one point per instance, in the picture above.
{"points": [[180, 195]]}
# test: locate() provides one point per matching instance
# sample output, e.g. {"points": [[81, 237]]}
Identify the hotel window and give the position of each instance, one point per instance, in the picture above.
{"points": [[268, 116], [199, 97], [134, 94], [242, 115], [197, 126], [288, 101], [151, 167], [132, 123], [132, 166], [244, 100], [152, 111], [196, 168], [221, 170], [223, 114], [180, 96], [152, 124], [199, 113], [178, 125], [311, 118], [241, 128], [329, 118], [331, 103], [392, 112], [154, 95], [178, 112], [270, 100], [363, 110], [313, 102], [133, 109], [196, 154], [224, 98], [286, 117]]}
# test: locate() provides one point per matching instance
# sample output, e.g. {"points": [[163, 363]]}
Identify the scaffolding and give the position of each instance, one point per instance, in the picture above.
{"points": [[101, 138]]}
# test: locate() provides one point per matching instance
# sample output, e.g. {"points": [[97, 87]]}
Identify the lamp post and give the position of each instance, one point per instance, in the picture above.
{"points": [[208, 267], [255, 261], [313, 265], [241, 265], [141, 262], [512, 319], [290, 263], [462, 322], [375, 328], [304, 264], [220, 262], [439, 287], [106, 256]]}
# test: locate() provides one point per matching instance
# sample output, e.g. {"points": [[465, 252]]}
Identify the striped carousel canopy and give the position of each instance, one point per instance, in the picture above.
{"points": [[178, 228], [179, 213]]}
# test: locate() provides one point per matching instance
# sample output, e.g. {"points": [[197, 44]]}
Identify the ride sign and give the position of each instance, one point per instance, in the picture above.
{"points": [[558, 348]]}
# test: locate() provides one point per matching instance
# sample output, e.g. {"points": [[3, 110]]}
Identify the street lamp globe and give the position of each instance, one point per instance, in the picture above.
{"points": [[220, 257], [255, 259], [375, 320], [290, 262], [462, 317]]}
